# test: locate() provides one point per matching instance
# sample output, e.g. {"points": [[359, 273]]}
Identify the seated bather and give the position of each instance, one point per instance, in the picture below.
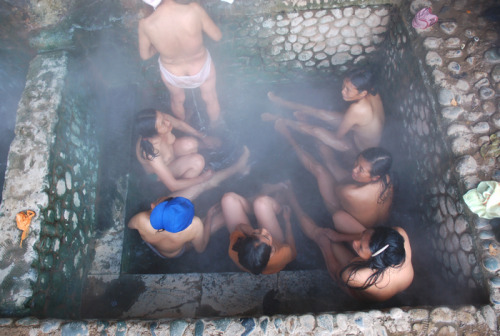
{"points": [[372, 265], [175, 161], [364, 118], [359, 201], [262, 250], [170, 227]]}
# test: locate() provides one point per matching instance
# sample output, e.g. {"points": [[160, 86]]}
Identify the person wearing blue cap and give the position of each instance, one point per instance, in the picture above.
{"points": [[169, 226]]}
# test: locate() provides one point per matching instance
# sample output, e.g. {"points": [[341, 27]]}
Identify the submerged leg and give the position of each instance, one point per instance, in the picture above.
{"points": [[325, 180], [239, 167], [345, 223], [235, 209], [333, 118], [266, 210]]}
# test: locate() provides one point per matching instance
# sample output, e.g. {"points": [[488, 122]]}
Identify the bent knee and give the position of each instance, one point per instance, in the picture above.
{"points": [[197, 162], [263, 203], [229, 199]]}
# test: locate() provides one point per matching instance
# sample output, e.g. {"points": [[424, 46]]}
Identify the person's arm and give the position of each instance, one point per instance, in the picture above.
{"points": [[202, 236], [208, 25], [350, 119], [289, 239], [210, 142], [146, 48], [338, 237], [245, 228], [173, 184], [135, 220]]}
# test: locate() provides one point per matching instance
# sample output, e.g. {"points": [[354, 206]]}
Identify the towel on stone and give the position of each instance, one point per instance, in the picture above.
{"points": [[484, 200], [424, 19]]}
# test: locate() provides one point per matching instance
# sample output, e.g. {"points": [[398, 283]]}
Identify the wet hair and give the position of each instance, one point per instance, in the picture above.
{"points": [[363, 80], [145, 127], [393, 256], [381, 162], [252, 254]]}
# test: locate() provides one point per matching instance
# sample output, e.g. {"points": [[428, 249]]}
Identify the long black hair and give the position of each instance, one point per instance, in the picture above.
{"points": [[381, 162], [392, 256], [252, 254], [144, 128], [363, 80]]}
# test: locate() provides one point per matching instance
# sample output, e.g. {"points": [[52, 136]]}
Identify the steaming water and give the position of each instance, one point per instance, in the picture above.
{"points": [[271, 160]]}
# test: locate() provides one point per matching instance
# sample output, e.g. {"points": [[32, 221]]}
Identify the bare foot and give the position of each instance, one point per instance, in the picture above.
{"points": [[280, 126], [214, 218], [268, 188], [275, 99], [269, 117]]}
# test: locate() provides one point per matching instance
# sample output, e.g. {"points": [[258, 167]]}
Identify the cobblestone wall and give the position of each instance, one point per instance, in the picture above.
{"points": [[411, 102], [51, 170], [68, 221]]}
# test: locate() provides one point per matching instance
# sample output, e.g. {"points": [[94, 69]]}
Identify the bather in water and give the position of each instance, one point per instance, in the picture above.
{"points": [[175, 161], [263, 250], [360, 127], [358, 201], [372, 265]]}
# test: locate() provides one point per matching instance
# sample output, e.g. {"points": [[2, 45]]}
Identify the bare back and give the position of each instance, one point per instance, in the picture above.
{"points": [[176, 32], [167, 243], [367, 118], [391, 282], [362, 202]]}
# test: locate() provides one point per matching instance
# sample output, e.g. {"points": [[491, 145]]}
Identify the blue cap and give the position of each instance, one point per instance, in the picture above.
{"points": [[173, 215]]}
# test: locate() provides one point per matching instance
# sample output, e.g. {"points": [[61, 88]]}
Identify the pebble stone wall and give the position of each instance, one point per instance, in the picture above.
{"points": [[463, 108], [440, 198], [460, 60], [50, 170]]}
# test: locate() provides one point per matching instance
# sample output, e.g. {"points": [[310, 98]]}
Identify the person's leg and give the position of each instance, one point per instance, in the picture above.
{"points": [[329, 160], [325, 180], [325, 136], [235, 209], [239, 167], [187, 166], [317, 234], [209, 95], [266, 210], [185, 145], [214, 218], [345, 223], [177, 98]]}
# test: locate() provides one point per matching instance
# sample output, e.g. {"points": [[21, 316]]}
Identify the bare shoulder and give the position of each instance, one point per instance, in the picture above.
{"points": [[357, 278], [138, 220], [402, 232]]}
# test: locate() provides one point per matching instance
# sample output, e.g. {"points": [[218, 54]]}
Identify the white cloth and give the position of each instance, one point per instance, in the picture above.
{"points": [[484, 200], [153, 3], [188, 82]]}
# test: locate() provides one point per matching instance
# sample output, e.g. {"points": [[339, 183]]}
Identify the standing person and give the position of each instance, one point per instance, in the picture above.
{"points": [[175, 31], [372, 265], [358, 202], [360, 127]]}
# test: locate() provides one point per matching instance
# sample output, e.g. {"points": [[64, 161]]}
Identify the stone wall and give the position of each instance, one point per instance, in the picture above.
{"points": [[51, 171], [435, 185]]}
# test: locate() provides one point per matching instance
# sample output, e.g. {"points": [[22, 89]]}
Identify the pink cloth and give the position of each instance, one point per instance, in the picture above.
{"points": [[424, 19]]}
